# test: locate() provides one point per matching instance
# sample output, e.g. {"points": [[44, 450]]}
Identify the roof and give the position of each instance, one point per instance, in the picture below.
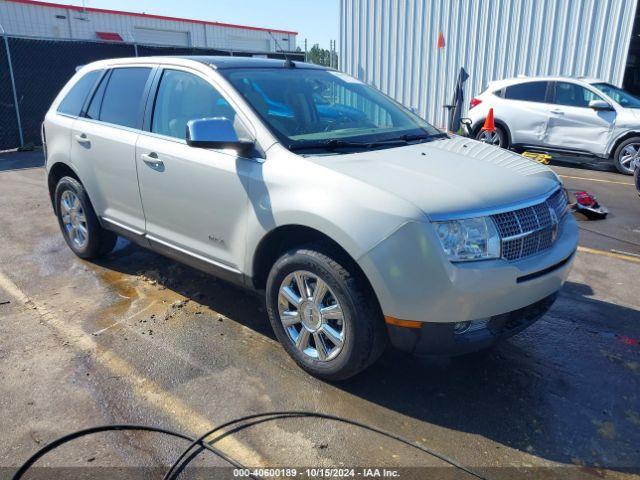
{"points": [[148, 15], [524, 78], [218, 63], [221, 63]]}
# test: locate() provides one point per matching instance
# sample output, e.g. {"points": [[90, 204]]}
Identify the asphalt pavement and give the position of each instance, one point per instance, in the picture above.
{"points": [[137, 338]]}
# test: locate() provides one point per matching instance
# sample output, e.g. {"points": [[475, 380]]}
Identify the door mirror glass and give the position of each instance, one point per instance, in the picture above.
{"points": [[218, 133], [599, 105]]}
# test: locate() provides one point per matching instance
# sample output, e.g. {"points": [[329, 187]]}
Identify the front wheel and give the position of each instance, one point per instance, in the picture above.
{"points": [[324, 314], [498, 137], [625, 156]]}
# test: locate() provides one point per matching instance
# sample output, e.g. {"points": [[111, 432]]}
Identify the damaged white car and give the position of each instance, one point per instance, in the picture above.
{"points": [[575, 116]]}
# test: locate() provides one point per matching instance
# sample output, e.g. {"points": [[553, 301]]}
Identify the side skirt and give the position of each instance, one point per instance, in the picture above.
{"points": [[211, 267]]}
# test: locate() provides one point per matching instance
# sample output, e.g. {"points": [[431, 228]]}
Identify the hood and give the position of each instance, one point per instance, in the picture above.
{"points": [[449, 176]]}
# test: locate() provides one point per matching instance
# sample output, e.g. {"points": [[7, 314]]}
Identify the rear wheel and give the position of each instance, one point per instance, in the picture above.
{"points": [[78, 221], [626, 155], [323, 314], [498, 137]]}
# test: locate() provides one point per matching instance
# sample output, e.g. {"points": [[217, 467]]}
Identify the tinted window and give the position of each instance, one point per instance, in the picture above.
{"points": [[573, 95], [530, 91], [94, 107], [182, 97], [621, 96], [123, 96], [74, 100]]}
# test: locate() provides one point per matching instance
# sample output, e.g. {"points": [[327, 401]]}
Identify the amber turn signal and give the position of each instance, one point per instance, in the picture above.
{"points": [[402, 323]]}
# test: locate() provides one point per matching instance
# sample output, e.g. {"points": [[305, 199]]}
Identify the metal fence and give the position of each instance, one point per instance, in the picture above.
{"points": [[33, 71]]}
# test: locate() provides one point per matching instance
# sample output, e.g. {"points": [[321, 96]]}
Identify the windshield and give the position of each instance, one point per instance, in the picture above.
{"points": [[624, 98], [308, 108]]}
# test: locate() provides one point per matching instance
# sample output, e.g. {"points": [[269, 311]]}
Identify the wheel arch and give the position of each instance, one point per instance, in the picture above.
{"points": [[285, 237], [616, 143], [56, 172]]}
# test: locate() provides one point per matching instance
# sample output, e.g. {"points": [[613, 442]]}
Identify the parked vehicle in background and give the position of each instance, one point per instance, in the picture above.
{"points": [[573, 116], [361, 222]]}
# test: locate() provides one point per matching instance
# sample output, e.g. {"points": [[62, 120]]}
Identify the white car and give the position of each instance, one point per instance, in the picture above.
{"points": [[359, 221], [574, 116]]}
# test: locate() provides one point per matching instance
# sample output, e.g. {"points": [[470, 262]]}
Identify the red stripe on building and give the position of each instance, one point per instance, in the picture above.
{"points": [[111, 36], [148, 15]]}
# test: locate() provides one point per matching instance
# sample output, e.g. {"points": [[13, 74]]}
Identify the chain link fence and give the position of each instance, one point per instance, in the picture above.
{"points": [[33, 71]]}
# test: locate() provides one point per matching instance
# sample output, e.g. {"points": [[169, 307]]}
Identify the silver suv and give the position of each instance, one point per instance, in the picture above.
{"points": [[359, 221]]}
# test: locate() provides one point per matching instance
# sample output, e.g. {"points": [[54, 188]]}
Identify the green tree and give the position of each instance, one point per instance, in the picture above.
{"points": [[321, 56]]}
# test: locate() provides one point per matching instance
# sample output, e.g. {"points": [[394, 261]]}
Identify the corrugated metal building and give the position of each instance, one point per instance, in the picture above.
{"points": [[394, 44], [30, 18]]}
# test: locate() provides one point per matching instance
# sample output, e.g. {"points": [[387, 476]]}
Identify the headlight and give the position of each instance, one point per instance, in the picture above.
{"points": [[469, 239]]}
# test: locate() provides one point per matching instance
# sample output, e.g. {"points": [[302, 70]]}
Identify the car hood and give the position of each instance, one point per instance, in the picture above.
{"points": [[448, 177]]}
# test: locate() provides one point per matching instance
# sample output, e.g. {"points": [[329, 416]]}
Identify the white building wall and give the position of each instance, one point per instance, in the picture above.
{"points": [[32, 20], [392, 44]]}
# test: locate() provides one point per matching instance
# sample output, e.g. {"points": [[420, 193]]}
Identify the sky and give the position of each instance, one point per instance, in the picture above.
{"points": [[314, 20]]}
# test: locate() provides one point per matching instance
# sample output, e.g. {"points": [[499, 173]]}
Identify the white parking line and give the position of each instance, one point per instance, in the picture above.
{"points": [[145, 389]]}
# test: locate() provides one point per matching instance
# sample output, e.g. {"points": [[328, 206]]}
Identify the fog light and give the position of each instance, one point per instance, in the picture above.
{"points": [[461, 327]]}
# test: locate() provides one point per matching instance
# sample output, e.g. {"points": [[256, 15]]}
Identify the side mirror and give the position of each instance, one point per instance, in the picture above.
{"points": [[216, 133], [599, 105]]}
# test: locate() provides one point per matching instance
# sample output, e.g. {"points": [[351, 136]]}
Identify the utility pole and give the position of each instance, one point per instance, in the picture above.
{"points": [[305, 50]]}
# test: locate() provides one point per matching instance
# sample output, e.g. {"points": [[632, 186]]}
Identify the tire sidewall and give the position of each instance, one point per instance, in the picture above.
{"points": [[616, 158], [92, 247], [339, 367]]}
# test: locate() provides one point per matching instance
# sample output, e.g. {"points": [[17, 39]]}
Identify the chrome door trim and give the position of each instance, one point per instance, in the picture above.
{"points": [[123, 227], [192, 254]]}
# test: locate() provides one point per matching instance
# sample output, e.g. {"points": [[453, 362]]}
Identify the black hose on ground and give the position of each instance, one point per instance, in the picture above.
{"points": [[197, 445]]}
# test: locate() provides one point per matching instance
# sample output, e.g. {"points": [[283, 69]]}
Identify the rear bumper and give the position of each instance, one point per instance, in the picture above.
{"points": [[440, 338]]}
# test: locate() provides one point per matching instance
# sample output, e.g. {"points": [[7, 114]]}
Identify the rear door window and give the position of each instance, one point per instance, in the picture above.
{"points": [[123, 96], [528, 92], [75, 98]]}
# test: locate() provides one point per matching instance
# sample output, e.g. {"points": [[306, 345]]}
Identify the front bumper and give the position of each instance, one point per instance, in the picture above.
{"points": [[414, 281], [440, 338]]}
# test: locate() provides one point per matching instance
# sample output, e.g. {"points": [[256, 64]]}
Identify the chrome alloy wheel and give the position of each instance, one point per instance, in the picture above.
{"points": [[492, 138], [628, 156], [74, 219], [311, 315]]}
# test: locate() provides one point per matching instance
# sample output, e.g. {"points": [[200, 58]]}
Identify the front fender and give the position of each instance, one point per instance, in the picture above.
{"points": [[285, 191]]}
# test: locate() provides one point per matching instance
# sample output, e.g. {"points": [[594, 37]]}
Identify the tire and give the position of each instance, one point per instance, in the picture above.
{"points": [[78, 221], [361, 327], [499, 139], [636, 178], [621, 157]]}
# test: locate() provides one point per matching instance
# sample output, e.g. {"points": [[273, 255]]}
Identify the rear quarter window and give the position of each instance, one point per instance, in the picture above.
{"points": [[528, 92], [74, 100]]}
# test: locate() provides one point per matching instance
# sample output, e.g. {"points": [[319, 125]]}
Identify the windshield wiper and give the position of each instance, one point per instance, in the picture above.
{"points": [[338, 143], [423, 136]]}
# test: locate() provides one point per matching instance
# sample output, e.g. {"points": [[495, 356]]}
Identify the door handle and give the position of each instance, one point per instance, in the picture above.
{"points": [[82, 139], [153, 161], [557, 111]]}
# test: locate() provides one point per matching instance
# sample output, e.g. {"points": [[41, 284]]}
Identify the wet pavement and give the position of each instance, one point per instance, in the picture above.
{"points": [[137, 338]]}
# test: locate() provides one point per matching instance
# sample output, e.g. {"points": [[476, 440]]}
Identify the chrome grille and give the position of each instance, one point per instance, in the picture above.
{"points": [[530, 230]]}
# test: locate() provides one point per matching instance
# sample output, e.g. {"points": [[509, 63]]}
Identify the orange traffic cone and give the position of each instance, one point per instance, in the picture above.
{"points": [[489, 124]]}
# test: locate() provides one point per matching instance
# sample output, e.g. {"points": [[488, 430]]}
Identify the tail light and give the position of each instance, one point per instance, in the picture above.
{"points": [[474, 102]]}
